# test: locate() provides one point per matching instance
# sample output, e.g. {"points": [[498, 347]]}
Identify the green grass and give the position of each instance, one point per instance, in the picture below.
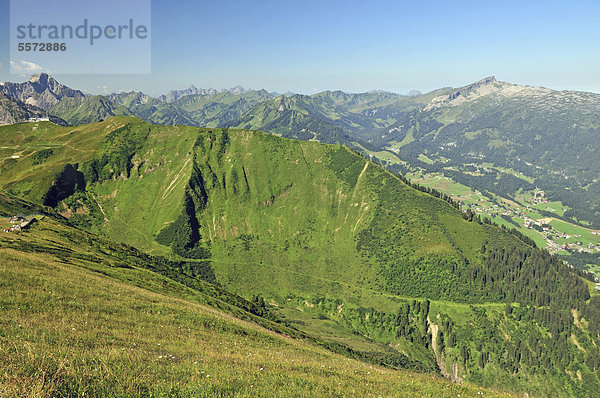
{"points": [[69, 144], [5, 223], [446, 185], [552, 207], [74, 327], [533, 234], [515, 173], [408, 138], [423, 158], [387, 157], [570, 229]]}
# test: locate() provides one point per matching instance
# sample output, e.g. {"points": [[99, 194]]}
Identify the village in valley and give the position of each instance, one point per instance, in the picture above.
{"points": [[558, 235], [532, 213]]}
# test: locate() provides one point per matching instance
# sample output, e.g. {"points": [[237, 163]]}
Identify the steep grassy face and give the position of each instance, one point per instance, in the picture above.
{"points": [[118, 155], [335, 246], [313, 212], [305, 227]]}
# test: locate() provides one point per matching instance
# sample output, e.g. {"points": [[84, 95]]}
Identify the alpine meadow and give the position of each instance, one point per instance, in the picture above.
{"points": [[383, 199], [318, 239]]}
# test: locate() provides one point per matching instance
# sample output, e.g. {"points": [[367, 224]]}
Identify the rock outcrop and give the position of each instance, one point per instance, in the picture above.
{"points": [[41, 91], [471, 87]]}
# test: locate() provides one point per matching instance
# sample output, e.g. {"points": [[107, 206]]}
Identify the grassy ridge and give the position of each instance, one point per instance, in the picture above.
{"points": [[31, 175]]}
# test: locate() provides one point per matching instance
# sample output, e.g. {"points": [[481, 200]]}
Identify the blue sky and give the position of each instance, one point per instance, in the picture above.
{"points": [[311, 46], [89, 22]]}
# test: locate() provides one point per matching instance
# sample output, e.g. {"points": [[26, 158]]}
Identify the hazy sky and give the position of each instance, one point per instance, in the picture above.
{"points": [[310, 46]]}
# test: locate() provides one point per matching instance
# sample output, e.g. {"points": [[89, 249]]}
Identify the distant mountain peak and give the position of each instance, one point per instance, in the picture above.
{"points": [[237, 90], [174, 95], [39, 78], [414, 93], [43, 82], [379, 91], [466, 89], [41, 90], [466, 93]]}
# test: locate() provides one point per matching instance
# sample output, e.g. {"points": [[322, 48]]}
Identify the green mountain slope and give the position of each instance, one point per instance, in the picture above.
{"points": [[83, 316], [87, 109], [332, 116], [548, 136], [216, 109], [332, 243], [293, 117]]}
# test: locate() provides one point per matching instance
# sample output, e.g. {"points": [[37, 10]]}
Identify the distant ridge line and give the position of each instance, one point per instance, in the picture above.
{"points": [[472, 86]]}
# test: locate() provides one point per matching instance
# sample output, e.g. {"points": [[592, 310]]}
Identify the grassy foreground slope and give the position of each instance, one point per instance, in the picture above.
{"points": [[76, 319]]}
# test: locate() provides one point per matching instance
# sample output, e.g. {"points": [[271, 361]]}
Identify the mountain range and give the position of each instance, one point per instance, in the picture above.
{"points": [[13, 111], [174, 95], [548, 137]]}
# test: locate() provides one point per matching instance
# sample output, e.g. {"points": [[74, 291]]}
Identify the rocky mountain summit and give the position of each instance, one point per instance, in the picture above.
{"points": [[174, 95], [42, 91], [472, 86]]}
